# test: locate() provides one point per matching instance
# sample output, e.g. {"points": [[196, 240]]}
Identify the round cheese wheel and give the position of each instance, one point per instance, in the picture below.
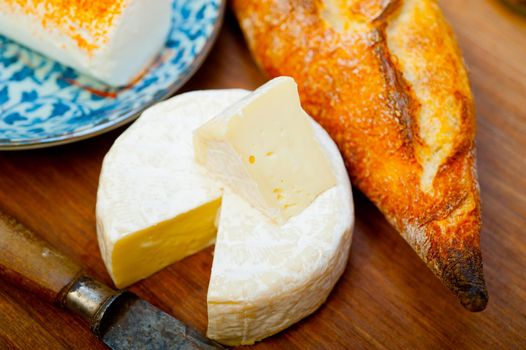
{"points": [[156, 205]]}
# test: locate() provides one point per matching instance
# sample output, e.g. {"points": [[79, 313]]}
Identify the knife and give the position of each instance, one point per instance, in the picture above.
{"points": [[119, 318]]}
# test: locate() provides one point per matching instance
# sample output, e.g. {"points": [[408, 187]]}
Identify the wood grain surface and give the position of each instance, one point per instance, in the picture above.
{"points": [[387, 298]]}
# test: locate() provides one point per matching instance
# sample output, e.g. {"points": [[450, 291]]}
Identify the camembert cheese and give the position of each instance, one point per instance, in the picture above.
{"points": [[156, 204], [264, 147]]}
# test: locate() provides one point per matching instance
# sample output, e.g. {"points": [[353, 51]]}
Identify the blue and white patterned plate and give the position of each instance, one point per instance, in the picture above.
{"points": [[43, 103]]}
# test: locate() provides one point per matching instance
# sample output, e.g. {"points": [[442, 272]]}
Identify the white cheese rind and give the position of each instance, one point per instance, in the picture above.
{"points": [[133, 41], [266, 277]]}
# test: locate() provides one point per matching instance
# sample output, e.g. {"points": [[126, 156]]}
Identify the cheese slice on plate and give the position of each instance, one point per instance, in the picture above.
{"points": [[156, 204], [111, 40]]}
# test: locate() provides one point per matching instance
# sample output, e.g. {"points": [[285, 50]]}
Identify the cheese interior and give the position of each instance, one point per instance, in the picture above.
{"points": [[147, 251], [265, 149]]}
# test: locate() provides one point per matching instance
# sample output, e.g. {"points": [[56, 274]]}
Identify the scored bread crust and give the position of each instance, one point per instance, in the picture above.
{"points": [[386, 79]]}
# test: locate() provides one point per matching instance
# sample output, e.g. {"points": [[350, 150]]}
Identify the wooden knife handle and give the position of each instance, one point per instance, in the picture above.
{"points": [[28, 261]]}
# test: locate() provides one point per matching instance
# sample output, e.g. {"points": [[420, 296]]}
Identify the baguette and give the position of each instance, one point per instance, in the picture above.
{"points": [[387, 81]]}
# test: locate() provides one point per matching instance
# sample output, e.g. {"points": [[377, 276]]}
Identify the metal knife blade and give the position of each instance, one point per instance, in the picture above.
{"points": [[124, 321], [132, 323]]}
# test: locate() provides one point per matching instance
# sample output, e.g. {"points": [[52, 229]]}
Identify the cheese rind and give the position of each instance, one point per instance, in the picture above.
{"points": [[112, 41], [264, 147], [150, 186], [265, 276]]}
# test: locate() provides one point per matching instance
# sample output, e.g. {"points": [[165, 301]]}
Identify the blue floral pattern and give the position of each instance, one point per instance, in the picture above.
{"points": [[44, 103]]}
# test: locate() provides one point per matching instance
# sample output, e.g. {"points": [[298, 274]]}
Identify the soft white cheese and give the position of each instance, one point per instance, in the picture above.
{"points": [[114, 48], [264, 276]]}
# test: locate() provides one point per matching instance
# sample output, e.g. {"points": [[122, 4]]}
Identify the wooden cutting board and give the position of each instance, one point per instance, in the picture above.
{"points": [[387, 298]]}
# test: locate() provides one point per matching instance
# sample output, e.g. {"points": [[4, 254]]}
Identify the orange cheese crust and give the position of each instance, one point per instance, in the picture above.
{"points": [[87, 22], [386, 79]]}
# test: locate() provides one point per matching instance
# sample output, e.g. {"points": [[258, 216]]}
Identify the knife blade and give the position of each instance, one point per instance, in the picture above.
{"points": [[120, 319]]}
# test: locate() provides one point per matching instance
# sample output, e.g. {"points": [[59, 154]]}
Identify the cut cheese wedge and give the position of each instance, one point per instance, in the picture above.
{"points": [[264, 147], [155, 205], [111, 40]]}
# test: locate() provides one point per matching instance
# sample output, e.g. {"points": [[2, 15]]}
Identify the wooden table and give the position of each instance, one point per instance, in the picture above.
{"points": [[387, 298]]}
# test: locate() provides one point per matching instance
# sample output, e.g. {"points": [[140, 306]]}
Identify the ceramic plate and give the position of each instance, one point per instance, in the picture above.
{"points": [[43, 103]]}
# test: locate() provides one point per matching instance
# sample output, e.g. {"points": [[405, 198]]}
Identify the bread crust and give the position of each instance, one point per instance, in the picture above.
{"points": [[386, 79]]}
